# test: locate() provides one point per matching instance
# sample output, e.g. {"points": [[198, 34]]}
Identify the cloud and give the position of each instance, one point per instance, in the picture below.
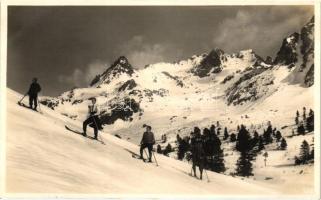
{"points": [[260, 29], [83, 77], [140, 53]]}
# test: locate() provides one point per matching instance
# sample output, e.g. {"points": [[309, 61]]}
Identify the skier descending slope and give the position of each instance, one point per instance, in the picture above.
{"points": [[147, 141], [33, 93], [93, 119]]}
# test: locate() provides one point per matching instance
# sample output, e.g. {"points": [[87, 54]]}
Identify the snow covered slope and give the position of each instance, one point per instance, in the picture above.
{"points": [[43, 157]]}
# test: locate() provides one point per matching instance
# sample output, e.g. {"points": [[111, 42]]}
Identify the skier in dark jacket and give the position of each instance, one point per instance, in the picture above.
{"points": [[147, 141], [33, 93], [93, 119], [197, 150]]}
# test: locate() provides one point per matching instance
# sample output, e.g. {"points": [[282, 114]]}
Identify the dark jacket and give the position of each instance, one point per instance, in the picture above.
{"points": [[148, 138], [34, 89], [197, 148]]}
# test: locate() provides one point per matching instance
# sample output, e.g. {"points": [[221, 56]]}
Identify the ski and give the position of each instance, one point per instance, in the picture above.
{"points": [[80, 133], [136, 156], [25, 106]]}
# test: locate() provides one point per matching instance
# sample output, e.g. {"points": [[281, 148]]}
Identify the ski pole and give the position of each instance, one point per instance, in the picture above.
{"points": [[155, 158], [208, 180], [19, 102], [146, 153], [38, 104], [97, 130]]}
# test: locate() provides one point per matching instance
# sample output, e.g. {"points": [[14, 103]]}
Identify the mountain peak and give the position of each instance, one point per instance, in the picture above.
{"points": [[287, 54], [210, 64], [120, 66]]}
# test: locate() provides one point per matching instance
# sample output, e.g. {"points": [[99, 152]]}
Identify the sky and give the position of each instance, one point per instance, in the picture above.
{"points": [[67, 47]]}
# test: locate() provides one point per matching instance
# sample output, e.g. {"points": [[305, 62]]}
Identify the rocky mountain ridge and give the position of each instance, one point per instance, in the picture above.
{"points": [[237, 79]]}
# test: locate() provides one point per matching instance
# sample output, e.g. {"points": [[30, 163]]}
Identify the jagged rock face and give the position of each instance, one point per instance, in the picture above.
{"points": [[297, 51], [243, 77], [307, 47], [269, 60], [49, 102], [128, 85], [307, 50], [120, 66], [307, 37], [251, 86], [309, 78], [287, 54], [210, 64], [121, 110]]}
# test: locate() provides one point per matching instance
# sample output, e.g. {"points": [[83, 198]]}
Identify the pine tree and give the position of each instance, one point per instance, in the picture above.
{"points": [[310, 121], [212, 129], [297, 114], [244, 165], [244, 145], [225, 134], [261, 143], [255, 139], [296, 120], [283, 145], [304, 116], [312, 155], [278, 136], [243, 140], [218, 162], [274, 132], [301, 129], [267, 135], [304, 152], [232, 137], [218, 132]]}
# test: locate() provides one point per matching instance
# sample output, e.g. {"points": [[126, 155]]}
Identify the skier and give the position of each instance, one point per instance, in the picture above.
{"points": [[33, 93], [197, 149], [93, 119], [148, 140]]}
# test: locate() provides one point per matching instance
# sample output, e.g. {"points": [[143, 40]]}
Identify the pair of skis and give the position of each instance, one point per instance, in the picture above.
{"points": [[136, 156], [25, 106], [81, 133]]}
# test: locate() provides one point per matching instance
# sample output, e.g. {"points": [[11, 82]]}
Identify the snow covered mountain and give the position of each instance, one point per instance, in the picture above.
{"points": [[237, 79], [234, 89]]}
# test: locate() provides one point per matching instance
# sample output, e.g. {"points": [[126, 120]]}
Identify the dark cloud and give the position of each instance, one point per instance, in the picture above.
{"points": [[66, 46], [83, 77], [141, 53], [260, 29]]}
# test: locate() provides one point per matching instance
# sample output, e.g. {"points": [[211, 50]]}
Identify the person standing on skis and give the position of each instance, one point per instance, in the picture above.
{"points": [[197, 150], [93, 119], [33, 93], [147, 141]]}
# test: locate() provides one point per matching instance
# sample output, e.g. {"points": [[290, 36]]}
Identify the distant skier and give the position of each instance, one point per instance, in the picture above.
{"points": [[33, 93], [197, 150], [147, 141], [93, 119]]}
